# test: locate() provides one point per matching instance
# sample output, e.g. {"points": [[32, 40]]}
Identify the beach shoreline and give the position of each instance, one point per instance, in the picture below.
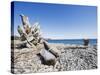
{"points": [[72, 57]]}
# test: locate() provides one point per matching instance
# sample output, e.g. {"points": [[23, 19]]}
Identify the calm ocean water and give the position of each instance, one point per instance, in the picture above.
{"points": [[73, 41]]}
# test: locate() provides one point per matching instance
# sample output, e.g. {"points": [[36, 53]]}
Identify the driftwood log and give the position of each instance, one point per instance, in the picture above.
{"points": [[47, 57], [52, 50], [30, 35]]}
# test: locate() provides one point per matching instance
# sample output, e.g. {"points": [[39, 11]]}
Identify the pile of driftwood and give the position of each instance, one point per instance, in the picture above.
{"points": [[31, 37]]}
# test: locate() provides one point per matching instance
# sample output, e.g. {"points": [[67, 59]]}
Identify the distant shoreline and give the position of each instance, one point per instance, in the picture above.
{"points": [[64, 41], [55, 39]]}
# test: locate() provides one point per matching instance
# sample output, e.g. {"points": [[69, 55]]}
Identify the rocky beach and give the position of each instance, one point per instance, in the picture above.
{"points": [[72, 57]]}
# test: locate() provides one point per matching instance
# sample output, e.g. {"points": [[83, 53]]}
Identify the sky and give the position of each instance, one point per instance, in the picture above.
{"points": [[59, 21]]}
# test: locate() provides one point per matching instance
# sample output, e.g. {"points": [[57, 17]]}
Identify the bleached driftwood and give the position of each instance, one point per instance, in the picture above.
{"points": [[52, 50], [30, 35], [48, 58]]}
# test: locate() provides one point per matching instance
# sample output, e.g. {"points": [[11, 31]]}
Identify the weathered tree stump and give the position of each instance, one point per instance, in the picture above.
{"points": [[30, 35]]}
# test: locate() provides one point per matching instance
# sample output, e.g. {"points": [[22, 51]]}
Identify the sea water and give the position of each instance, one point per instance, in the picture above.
{"points": [[74, 41]]}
